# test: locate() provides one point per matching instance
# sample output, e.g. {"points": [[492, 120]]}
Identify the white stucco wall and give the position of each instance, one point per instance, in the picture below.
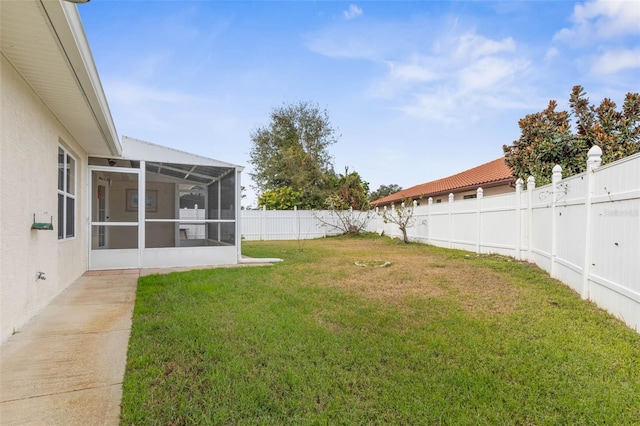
{"points": [[487, 192], [29, 138]]}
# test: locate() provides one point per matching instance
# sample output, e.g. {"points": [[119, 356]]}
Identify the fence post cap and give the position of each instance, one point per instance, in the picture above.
{"points": [[594, 157], [595, 151], [479, 192], [451, 196]]}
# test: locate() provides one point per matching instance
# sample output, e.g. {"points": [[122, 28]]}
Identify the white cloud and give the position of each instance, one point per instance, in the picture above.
{"points": [[615, 61], [435, 70], [417, 69], [462, 72], [132, 93], [471, 46], [490, 73], [353, 12], [552, 52], [601, 19]]}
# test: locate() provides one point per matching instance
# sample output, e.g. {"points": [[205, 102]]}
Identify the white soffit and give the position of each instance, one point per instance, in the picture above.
{"points": [[136, 149], [45, 42]]}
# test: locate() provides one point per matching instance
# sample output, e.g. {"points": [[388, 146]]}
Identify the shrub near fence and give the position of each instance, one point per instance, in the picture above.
{"points": [[584, 230]]}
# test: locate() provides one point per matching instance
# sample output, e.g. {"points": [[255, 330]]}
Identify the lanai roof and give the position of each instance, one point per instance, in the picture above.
{"points": [[493, 173]]}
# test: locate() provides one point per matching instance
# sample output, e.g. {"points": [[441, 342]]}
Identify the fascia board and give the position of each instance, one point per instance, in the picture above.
{"points": [[67, 24]]}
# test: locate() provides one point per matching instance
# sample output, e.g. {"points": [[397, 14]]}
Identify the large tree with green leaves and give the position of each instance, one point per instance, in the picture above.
{"points": [[349, 191], [383, 191], [550, 137], [292, 152]]}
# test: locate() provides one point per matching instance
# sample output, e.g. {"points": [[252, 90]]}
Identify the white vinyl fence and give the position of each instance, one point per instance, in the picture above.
{"points": [[584, 230], [287, 224]]}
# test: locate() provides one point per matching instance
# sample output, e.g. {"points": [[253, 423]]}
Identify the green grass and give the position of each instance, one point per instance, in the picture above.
{"points": [[438, 337]]}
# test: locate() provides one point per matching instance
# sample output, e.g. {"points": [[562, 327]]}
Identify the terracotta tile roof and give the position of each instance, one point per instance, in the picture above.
{"points": [[493, 173]]}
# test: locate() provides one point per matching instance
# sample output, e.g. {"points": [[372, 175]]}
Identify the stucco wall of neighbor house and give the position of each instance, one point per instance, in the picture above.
{"points": [[486, 192], [29, 138]]}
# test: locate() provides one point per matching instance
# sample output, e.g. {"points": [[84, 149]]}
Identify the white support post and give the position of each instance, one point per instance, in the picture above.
{"points": [[263, 222], [518, 205], [142, 211], [594, 159], [531, 185], [429, 205], [479, 193], [556, 177], [238, 215], [450, 220]]}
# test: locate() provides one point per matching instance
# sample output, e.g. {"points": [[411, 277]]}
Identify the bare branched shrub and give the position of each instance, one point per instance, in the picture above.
{"points": [[401, 216]]}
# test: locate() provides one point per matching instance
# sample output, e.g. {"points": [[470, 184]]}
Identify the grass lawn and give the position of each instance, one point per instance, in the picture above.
{"points": [[437, 337]]}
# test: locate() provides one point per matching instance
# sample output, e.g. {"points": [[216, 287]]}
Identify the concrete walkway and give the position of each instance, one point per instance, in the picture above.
{"points": [[66, 366]]}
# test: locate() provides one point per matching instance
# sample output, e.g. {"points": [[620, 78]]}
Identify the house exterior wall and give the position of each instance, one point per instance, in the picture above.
{"points": [[29, 138], [496, 190]]}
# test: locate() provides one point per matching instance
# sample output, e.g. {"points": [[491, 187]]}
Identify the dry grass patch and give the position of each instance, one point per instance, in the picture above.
{"points": [[415, 272]]}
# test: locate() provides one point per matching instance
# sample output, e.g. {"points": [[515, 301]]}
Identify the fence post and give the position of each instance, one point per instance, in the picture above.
{"points": [[263, 222], [594, 159], [479, 193], [518, 206], [531, 185], [429, 204], [556, 177], [297, 219], [450, 220]]}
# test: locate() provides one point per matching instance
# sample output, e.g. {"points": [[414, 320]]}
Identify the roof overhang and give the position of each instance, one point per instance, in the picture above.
{"points": [[399, 199], [136, 149], [45, 41]]}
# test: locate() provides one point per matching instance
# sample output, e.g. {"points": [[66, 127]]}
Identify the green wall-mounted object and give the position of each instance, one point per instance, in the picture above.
{"points": [[42, 225]]}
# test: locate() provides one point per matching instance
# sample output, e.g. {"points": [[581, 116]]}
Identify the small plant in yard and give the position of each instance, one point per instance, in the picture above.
{"points": [[346, 220], [438, 338], [401, 216]]}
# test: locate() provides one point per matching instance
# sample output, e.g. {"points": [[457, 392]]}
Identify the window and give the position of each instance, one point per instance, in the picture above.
{"points": [[66, 195], [470, 196]]}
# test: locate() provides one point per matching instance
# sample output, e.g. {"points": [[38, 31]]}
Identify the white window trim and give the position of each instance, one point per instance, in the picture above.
{"points": [[68, 195]]}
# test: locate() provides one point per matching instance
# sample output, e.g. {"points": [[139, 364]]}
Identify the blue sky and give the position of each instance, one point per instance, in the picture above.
{"points": [[418, 90]]}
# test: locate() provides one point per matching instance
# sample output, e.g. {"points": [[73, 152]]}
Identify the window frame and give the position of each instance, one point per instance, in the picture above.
{"points": [[69, 171]]}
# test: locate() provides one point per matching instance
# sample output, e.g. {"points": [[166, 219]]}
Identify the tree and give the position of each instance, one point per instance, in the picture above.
{"points": [[617, 133], [292, 151], [547, 138], [545, 141], [350, 191], [383, 191], [283, 198], [401, 216]]}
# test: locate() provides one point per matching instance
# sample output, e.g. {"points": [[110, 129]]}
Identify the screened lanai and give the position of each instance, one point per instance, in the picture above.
{"points": [[159, 207]]}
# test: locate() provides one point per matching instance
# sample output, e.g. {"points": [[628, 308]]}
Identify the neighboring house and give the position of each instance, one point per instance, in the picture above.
{"points": [[493, 177], [72, 196]]}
